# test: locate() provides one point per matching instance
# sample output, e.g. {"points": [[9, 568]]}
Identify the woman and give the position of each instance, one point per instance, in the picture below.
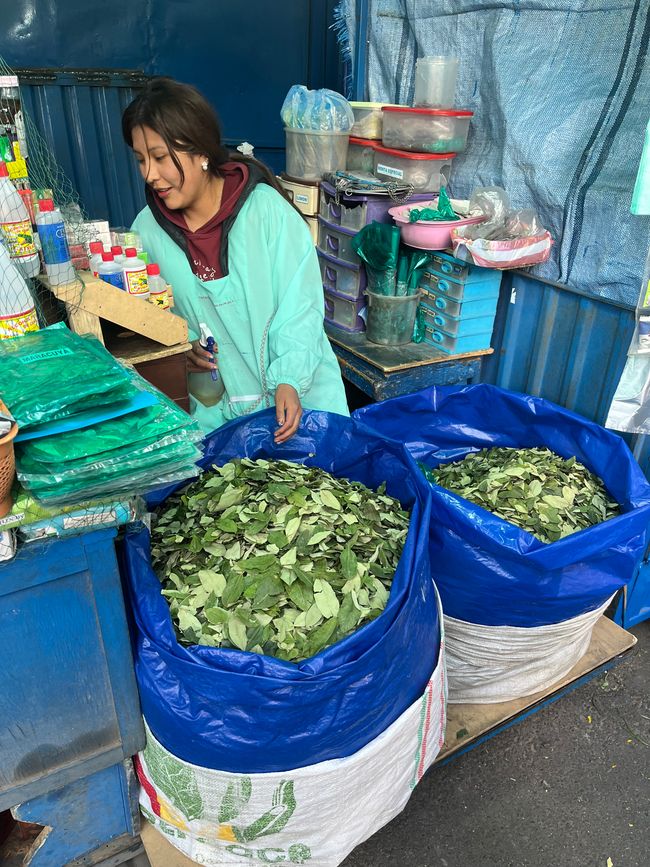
{"points": [[240, 259]]}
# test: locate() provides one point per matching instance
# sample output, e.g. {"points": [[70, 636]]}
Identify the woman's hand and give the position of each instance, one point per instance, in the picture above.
{"points": [[288, 412], [199, 360]]}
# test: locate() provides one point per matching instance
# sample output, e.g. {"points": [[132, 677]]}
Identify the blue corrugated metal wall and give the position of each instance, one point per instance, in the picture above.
{"points": [[242, 56], [79, 120], [556, 343]]}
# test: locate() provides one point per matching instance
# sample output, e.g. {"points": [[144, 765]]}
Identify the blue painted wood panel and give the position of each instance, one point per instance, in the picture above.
{"points": [[68, 698]]}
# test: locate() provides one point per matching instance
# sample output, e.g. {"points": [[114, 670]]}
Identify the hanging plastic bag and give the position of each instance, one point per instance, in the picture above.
{"points": [[487, 570], [242, 712]]}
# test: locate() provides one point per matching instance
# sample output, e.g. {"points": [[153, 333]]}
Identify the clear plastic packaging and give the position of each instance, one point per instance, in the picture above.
{"points": [[426, 130], [312, 154], [425, 172], [435, 81], [322, 110]]}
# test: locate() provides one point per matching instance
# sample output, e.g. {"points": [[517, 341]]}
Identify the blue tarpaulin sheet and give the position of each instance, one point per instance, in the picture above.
{"points": [[487, 570], [243, 712]]}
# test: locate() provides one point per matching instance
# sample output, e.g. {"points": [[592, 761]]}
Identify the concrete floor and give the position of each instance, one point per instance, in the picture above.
{"points": [[567, 787]]}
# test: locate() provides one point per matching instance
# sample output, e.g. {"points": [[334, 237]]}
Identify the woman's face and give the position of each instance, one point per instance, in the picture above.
{"points": [[158, 170]]}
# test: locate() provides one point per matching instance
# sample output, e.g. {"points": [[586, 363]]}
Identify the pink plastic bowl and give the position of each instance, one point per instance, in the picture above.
{"points": [[427, 235]]}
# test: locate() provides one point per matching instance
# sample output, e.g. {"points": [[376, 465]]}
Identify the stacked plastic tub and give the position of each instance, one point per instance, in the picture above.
{"points": [[458, 303], [251, 758]]}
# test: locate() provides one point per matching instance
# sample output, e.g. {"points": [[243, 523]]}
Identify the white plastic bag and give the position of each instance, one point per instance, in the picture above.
{"points": [[314, 815], [488, 664]]}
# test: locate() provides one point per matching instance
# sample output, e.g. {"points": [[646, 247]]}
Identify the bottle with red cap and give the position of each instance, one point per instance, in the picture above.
{"points": [[54, 243], [134, 272], [110, 272], [16, 227], [96, 249], [118, 255], [158, 291]]}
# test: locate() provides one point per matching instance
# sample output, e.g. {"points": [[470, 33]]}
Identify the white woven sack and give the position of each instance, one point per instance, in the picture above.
{"points": [[488, 664], [314, 815]]}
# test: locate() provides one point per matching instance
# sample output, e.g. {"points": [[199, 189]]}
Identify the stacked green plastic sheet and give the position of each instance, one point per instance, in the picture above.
{"points": [[129, 455], [66, 391], [53, 374]]}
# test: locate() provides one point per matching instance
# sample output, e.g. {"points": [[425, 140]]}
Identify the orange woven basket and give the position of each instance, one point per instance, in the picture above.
{"points": [[7, 467]]}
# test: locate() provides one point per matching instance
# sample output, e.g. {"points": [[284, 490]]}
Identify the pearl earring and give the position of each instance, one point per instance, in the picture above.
{"points": [[204, 165]]}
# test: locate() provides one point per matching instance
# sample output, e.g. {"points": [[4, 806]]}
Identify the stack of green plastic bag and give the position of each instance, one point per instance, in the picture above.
{"points": [[54, 373], [129, 455]]}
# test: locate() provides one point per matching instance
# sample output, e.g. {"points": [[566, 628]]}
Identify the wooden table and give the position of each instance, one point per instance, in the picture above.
{"points": [[390, 371]]}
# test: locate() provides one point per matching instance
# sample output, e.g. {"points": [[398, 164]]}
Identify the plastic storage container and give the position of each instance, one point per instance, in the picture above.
{"points": [[344, 313], [311, 154], [425, 130], [485, 306], [427, 172], [428, 234], [435, 81], [356, 211], [391, 318], [436, 284], [457, 326], [342, 278], [304, 196], [336, 241], [456, 345], [361, 155], [367, 119]]}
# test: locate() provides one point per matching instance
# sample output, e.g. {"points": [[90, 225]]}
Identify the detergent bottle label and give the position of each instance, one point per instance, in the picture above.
{"points": [[54, 243], [136, 282], [20, 239], [17, 324]]}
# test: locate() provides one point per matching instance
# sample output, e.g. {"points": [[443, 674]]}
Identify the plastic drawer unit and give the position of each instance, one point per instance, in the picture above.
{"points": [[456, 345], [457, 326], [356, 211], [486, 306], [345, 314], [337, 242], [342, 278]]}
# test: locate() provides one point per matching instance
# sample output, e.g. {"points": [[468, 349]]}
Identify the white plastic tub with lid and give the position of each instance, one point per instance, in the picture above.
{"points": [[427, 172], [425, 130], [368, 119]]}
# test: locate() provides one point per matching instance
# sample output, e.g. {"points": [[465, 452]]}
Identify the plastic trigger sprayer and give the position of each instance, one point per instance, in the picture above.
{"points": [[207, 389]]}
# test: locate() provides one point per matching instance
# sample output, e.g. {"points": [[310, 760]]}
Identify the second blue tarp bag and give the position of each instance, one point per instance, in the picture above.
{"points": [[247, 713], [487, 570]]}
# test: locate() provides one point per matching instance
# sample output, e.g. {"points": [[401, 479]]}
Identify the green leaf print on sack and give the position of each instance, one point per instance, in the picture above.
{"points": [[235, 799], [174, 780], [275, 819]]}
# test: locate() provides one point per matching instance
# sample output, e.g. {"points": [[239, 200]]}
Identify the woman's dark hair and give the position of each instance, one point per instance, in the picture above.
{"points": [[186, 122]]}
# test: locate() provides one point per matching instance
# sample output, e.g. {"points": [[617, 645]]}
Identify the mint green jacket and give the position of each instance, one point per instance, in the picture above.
{"points": [[266, 315]]}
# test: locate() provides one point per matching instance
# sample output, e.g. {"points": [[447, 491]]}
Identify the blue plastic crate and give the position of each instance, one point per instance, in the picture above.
{"points": [[436, 284], [463, 309], [457, 327], [456, 345]]}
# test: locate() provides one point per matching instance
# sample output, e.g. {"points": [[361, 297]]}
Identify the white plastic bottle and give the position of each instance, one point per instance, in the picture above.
{"points": [[110, 272], [158, 292], [118, 255], [96, 250], [17, 309], [54, 244], [17, 227], [135, 274], [206, 387]]}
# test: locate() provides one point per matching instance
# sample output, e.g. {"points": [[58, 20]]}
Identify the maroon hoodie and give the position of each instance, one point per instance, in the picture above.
{"points": [[204, 245]]}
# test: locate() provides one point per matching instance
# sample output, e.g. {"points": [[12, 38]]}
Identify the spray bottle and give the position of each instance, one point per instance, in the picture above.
{"points": [[208, 387]]}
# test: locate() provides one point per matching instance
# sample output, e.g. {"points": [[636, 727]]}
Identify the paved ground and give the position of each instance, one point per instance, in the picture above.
{"points": [[567, 787]]}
